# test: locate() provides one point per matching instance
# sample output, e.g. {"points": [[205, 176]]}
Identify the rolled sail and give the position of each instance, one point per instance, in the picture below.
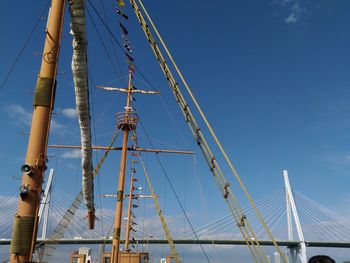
{"points": [[80, 75]]}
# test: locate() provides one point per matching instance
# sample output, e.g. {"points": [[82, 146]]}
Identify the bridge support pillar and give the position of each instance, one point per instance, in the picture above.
{"points": [[301, 250], [293, 252]]}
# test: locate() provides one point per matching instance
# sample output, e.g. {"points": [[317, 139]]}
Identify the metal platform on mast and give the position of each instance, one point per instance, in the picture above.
{"points": [[127, 120]]}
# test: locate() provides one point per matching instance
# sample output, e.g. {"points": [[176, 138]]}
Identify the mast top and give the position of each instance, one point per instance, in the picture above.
{"points": [[127, 120]]}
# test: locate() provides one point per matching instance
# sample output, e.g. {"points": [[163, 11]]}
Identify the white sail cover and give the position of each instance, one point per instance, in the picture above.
{"points": [[79, 68]]}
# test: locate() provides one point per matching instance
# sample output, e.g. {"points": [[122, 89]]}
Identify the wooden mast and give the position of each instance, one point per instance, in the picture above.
{"points": [[129, 219], [26, 219], [126, 123]]}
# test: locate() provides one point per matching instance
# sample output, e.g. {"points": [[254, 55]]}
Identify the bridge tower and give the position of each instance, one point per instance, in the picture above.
{"points": [[292, 210], [45, 205], [44, 213]]}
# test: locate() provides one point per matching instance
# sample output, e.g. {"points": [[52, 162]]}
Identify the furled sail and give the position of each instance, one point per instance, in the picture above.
{"points": [[79, 69]]}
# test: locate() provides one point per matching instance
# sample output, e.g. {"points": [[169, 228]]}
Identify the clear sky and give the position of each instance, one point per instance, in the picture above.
{"points": [[271, 76]]}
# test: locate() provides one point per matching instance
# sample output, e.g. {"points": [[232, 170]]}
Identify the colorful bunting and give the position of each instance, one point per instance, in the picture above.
{"points": [[120, 12], [123, 28], [130, 58]]}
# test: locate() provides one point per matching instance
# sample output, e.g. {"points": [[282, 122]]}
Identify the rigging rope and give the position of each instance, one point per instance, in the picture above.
{"points": [[121, 79], [70, 213], [24, 46], [96, 156], [174, 192], [117, 71], [173, 250], [224, 186], [106, 26]]}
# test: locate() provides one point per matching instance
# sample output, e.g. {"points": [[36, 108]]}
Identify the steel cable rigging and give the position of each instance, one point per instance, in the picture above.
{"points": [[174, 192], [173, 250], [70, 212], [239, 216], [8, 74]]}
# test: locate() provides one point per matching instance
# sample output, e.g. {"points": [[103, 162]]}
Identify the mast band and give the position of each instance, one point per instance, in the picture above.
{"points": [[120, 196], [116, 233], [43, 92], [22, 234]]}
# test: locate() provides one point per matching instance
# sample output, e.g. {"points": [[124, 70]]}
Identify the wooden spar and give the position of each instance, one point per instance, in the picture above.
{"points": [[119, 204], [126, 126], [26, 219], [138, 195], [132, 149], [153, 92], [128, 223]]}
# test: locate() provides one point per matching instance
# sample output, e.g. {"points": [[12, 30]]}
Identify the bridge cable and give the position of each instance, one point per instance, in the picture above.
{"points": [[318, 208], [224, 226], [323, 224], [227, 219]]}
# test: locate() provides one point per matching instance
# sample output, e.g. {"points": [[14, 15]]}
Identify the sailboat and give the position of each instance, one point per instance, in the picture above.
{"points": [[25, 224]]}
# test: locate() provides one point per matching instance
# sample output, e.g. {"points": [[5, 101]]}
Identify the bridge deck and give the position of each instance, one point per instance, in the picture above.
{"points": [[284, 243]]}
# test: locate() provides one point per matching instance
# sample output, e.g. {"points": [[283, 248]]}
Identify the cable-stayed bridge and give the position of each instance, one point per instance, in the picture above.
{"points": [[296, 221]]}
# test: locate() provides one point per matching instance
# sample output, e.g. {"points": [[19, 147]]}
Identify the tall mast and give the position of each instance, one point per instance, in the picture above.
{"points": [[125, 121], [26, 219], [129, 219]]}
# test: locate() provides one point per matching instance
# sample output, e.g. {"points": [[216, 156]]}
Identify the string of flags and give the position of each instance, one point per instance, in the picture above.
{"points": [[123, 28], [133, 196], [132, 223], [128, 54], [124, 34], [126, 42], [121, 13]]}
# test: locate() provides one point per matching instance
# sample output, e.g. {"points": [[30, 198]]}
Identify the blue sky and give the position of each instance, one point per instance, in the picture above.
{"points": [[271, 76]]}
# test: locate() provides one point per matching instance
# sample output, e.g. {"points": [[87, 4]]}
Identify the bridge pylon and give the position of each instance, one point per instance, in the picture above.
{"points": [[299, 251], [43, 214]]}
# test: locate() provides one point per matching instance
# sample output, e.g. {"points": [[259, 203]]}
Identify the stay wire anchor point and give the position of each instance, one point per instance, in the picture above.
{"points": [[198, 138], [226, 193], [212, 165], [241, 222]]}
